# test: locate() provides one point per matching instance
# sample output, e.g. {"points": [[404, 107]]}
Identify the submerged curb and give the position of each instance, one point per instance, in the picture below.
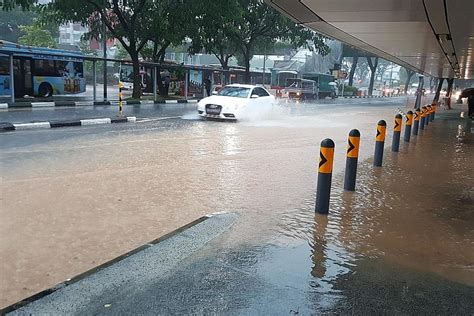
{"points": [[136, 269], [88, 103], [6, 126]]}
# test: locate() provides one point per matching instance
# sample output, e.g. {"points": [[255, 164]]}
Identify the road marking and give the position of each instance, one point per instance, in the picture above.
{"points": [[131, 118], [171, 101], [145, 120], [3, 105]]}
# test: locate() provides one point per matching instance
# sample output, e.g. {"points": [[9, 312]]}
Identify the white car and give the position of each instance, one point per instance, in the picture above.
{"points": [[236, 101]]}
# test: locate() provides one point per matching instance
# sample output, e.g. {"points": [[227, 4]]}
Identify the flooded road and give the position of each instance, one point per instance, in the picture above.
{"points": [[70, 203]]}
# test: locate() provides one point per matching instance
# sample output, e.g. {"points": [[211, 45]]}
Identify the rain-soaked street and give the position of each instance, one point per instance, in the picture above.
{"points": [[403, 243]]}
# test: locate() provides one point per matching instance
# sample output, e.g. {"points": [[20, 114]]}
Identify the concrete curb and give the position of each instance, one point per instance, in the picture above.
{"points": [[6, 126], [88, 103], [136, 268]]}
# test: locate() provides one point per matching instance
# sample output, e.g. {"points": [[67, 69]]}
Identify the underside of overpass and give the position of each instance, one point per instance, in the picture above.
{"points": [[433, 37]]}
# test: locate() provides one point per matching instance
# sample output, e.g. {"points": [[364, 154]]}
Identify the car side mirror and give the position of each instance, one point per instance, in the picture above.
{"points": [[214, 92], [254, 96]]}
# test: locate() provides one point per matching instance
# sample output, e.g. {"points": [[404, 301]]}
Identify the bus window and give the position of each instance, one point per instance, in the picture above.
{"points": [[4, 66], [63, 68], [44, 67], [78, 69]]}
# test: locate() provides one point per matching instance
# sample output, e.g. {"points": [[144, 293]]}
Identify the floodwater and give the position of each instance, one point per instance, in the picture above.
{"points": [[73, 203]]}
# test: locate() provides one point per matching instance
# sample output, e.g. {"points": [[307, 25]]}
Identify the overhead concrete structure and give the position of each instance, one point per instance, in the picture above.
{"points": [[434, 37]]}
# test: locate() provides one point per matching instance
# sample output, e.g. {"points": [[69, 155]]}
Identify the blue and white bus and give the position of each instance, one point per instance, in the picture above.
{"points": [[40, 71]]}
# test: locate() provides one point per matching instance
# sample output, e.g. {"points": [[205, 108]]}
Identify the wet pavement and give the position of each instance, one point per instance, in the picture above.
{"points": [[402, 244]]}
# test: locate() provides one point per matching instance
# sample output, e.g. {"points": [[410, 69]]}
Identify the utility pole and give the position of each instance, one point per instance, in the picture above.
{"points": [[263, 75]]}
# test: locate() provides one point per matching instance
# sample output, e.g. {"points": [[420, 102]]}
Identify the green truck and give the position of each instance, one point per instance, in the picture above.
{"points": [[322, 80]]}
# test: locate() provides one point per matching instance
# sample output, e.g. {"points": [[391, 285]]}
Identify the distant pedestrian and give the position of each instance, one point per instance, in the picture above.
{"points": [[207, 85], [167, 84]]}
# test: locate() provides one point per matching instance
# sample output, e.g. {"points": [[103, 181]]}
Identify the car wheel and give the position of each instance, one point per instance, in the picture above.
{"points": [[45, 90]]}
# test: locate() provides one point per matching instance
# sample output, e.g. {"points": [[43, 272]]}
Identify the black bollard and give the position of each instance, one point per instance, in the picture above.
{"points": [[351, 160], [416, 123], [433, 113], [423, 117], [323, 190], [409, 122], [379, 143], [427, 115], [397, 130]]}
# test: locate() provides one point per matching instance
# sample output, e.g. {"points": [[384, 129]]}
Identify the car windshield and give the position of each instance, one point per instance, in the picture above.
{"points": [[237, 92]]}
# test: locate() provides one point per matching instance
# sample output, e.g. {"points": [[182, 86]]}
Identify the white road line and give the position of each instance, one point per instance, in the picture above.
{"points": [[157, 119], [96, 121], [171, 101]]}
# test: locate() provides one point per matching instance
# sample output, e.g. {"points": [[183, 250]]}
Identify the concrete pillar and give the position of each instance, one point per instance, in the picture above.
{"points": [[419, 92], [438, 90]]}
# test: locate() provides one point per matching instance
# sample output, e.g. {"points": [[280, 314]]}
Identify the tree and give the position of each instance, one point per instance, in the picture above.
{"points": [[373, 67], [250, 27], [10, 22], [129, 24], [173, 21], [382, 67], [362, 69], [8, 5], [34, 35], [353, 69], [215, 29], [405, 75]]}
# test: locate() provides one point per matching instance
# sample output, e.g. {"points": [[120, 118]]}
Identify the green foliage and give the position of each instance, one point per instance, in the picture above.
{"points": [[348, 89], [247, 27], [8, 5], [10, 22], [34, 35]]}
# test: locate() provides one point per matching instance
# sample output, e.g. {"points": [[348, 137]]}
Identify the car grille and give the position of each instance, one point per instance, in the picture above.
{"points": [[213, 109]]}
